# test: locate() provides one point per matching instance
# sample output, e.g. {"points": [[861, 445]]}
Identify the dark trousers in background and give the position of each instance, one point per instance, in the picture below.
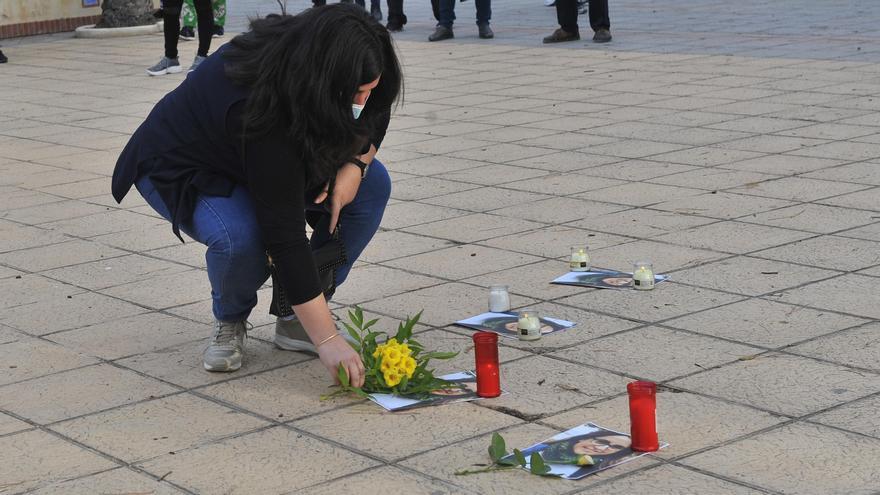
{"points": [[447, 12], [360, 3], [396, 15], [171, 16], [567, 15]]}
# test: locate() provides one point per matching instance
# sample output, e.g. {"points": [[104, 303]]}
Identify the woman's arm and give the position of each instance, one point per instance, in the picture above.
{"points": [[333, 351], [277, 184], [345, 188]]}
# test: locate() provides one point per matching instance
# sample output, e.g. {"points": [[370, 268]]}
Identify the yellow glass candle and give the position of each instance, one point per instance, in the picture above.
{"points": [[529, 325], [643, 275], [580, 259]]}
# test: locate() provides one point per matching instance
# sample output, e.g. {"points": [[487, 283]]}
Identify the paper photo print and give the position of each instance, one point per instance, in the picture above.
{"points": [[602, 279], [504, 324], [465, 390], [584, 450]]}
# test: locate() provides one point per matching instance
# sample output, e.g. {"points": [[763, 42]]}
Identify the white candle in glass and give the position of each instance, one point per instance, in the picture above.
{"points": [[499, 299], [529, 325], [643, 275], [580, 259]]}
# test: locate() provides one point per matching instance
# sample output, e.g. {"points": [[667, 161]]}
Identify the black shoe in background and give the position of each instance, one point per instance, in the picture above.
{"points": [[602, 36], [441, 33], [187, 33], [485, 31], [394, 27], [561, 35], [3, 58], [218, 31]]}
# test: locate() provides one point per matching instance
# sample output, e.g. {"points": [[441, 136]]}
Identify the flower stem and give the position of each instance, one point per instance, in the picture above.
{"points": [[494, 467]]}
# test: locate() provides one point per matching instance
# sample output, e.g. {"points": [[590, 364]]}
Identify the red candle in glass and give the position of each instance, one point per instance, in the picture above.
{"points": [[486, 353], [643, 415]]}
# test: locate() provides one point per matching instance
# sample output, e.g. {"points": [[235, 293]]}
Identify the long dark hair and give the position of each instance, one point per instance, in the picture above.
{"points": [[562, 451], [303, 72]]}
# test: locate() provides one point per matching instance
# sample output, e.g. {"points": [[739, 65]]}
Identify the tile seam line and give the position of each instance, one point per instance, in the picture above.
{"points": [[119, 462]]}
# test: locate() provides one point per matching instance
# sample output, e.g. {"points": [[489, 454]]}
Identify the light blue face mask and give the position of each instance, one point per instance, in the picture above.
{"points": [[356, 110]]}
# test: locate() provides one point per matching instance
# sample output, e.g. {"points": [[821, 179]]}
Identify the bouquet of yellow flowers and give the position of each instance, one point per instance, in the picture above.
{"points": [[398, 365]]}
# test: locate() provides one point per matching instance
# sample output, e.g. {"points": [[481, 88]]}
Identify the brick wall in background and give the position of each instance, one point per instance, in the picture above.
{"points": [[45, 27]]}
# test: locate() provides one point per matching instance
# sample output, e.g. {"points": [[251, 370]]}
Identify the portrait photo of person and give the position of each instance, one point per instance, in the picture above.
{"points": [[506, 324], [584, 450], [601, 279]]}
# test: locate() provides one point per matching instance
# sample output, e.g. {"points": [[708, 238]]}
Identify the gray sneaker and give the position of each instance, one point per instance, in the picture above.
{"points": [[196, 62], [165, 66], [226, 349], [290, 335]]}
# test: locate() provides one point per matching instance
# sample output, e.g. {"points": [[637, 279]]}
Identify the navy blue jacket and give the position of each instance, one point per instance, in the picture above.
{"points": [[191, 143]]}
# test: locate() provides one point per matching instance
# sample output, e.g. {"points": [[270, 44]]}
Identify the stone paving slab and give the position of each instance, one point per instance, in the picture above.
{"points": [[737, 148]]}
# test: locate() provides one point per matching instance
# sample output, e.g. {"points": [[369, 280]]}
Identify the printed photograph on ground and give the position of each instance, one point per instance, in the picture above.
{"points": [[466, 390], [602, 279], [584, 450], [505, 324]]}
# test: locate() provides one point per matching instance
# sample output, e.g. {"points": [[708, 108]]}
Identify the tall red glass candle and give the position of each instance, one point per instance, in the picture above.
{"points": [[643, 415], [486, 353]]}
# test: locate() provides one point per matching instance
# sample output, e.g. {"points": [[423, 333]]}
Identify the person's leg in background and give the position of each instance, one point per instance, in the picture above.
{"points": [[219, 17], [566, 15], [444, 24], [435, 9], [396, 17], [236, 262], [484, 15], [171, 16], [376, 9], [600, 21], [188, 14], [205, 14], [3, 58]]}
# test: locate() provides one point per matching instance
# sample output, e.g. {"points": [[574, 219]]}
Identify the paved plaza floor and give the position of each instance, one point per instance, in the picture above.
{"points": [[735, 144]]}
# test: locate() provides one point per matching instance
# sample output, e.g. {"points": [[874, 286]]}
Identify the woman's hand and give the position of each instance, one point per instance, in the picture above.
{"points": [[337, 351], [348, 180]]}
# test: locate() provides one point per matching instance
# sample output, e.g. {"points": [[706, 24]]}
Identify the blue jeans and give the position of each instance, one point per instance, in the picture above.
{"points": [[447, 12], [236, 257]]}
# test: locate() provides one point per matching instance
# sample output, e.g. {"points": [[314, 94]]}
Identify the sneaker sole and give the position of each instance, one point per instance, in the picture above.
{"points": [[288, 344], [221, 370], [170, 70]]}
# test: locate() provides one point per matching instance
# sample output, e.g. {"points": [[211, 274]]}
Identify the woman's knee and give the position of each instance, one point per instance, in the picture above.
{"points": [[246, 247], [241, 247]]}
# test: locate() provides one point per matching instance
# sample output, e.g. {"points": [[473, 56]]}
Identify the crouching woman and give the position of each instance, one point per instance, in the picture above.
{"points": [[281, 122]]}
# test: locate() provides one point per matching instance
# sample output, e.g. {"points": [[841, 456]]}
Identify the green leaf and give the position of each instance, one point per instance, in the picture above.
{"points": [[520, 458], [404, 331], [498, 448], [370, 323], [343, 377], [537, 464], [403, 383], [354, 333], [439, 355], [357, 317]]}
